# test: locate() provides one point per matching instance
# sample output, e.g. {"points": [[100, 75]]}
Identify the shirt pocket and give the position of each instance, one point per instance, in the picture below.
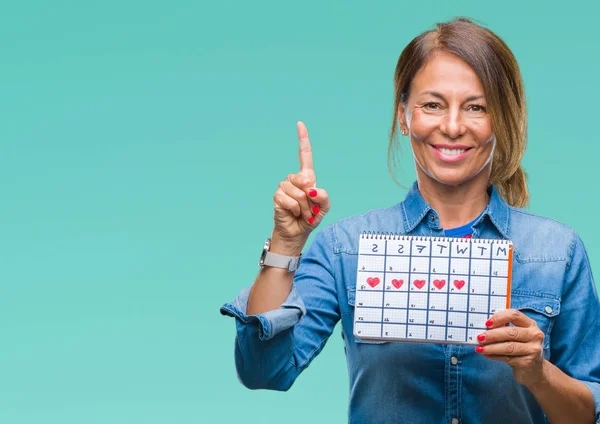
{"points": [[351, 290], [542, 308]]}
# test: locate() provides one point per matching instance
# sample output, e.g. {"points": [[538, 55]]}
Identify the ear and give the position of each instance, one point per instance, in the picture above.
{"points": [[402, 116]]}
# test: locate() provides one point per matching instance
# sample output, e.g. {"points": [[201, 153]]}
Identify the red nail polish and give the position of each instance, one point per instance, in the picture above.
{"points": [[315, 209], [312, 192], [311, 220], [489, 323], [481, 337], [479, 349]]}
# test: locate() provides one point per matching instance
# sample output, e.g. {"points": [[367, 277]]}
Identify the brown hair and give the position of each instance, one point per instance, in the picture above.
{"points": [[497, 68]]}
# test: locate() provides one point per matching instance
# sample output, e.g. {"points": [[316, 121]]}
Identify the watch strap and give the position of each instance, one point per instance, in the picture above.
{"points": [[291, 263]]}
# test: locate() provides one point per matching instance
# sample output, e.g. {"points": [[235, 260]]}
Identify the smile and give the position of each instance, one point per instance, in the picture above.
{"points": [[451, 153]]}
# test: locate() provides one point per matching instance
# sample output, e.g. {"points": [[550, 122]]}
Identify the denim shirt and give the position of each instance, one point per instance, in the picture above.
{"points": [[417, 383]]}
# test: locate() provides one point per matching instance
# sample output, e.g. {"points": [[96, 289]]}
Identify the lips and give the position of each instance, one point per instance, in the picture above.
{"points": [[450, 153], [441, 146]]}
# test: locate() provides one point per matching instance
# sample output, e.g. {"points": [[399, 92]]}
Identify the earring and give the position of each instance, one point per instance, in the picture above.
{"points": [[404, 132]]}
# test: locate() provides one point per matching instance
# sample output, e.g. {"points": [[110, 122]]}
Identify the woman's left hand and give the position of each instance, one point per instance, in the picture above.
{"points": [[519, 345]]}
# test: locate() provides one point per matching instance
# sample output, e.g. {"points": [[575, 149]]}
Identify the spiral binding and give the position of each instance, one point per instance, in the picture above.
{"points": [[372, 235]]}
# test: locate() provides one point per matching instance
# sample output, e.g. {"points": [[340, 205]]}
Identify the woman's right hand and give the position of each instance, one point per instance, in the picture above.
{"points": [[299, 204]]}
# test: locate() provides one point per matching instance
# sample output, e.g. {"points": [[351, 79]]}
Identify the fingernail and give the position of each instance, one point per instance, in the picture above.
{"points": [[479, 349], [481, 337], [311, 220], [315, 209], [489, 323], [312, 192]]}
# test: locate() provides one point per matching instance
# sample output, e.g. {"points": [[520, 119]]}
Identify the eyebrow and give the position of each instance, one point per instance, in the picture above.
{"points": [[440, 96]]}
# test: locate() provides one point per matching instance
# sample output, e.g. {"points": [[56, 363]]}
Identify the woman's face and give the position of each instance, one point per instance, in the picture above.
{"points": [[449, 126]]}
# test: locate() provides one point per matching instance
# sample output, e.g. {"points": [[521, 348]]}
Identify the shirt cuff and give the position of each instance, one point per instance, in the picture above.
{"points": [[272, 322], [595, 389]]}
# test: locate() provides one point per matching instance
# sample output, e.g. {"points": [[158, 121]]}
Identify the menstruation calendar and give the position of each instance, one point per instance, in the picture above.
{"points": [[429, 289]]}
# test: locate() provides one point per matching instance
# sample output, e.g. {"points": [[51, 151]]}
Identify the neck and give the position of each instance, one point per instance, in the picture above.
{"points": [[455, 205]]}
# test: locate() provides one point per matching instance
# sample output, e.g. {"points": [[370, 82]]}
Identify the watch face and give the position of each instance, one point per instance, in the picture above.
{"points": [[261, 261]]}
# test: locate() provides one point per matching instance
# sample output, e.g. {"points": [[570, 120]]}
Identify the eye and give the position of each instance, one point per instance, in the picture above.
{"points": [[431, 106], [477, 108]]}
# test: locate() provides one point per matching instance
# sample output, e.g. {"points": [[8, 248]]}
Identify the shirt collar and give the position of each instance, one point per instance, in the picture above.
{"points": [[415, 209]]}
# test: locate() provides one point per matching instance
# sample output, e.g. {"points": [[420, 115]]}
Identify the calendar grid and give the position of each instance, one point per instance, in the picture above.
{"points": [[408, 294], [433, 257], [490, 285], [405, 292], [428, 292], [455, 274], [431, 325], [448, 295], [383, 295], [469, 292], [500, 296]]}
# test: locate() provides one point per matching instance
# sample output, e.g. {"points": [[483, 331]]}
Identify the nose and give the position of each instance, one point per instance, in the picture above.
{"points": [[452, 124]]}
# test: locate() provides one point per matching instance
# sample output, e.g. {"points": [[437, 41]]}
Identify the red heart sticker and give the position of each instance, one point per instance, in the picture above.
{"points": [[459, 284], [397, 283], [372, 281], [439, 284], [419, 283]]}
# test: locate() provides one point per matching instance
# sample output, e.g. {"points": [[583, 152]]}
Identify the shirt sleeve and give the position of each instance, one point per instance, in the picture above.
{"points": [[575, 341], [273, 348]]}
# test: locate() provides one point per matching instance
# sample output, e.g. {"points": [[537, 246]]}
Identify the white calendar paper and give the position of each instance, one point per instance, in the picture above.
{"points": [[429, 289]]}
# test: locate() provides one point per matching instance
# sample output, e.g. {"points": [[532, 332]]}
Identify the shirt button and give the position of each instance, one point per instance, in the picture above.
{"points": [[454, 361], [548, 310], [454, 420]]}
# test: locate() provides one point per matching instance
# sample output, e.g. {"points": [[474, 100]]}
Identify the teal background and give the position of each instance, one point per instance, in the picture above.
{"points": [[140, 147]]}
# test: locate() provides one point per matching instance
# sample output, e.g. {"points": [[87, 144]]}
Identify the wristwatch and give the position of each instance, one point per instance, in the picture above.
{"points": [[290, 263]]}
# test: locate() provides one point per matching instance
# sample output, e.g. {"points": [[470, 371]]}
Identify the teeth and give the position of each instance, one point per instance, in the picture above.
{"points": [[452, 152]]}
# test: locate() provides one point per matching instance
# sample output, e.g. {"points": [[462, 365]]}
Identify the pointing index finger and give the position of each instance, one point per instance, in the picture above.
{"points": [[305, 151], [509, 316]]}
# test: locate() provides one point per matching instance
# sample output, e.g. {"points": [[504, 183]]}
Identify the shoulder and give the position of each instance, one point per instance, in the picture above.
{"points": [[345, 232], [538, 238]]}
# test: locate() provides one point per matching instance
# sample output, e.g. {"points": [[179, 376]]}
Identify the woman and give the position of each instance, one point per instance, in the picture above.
{"points": [[460, 102]]}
